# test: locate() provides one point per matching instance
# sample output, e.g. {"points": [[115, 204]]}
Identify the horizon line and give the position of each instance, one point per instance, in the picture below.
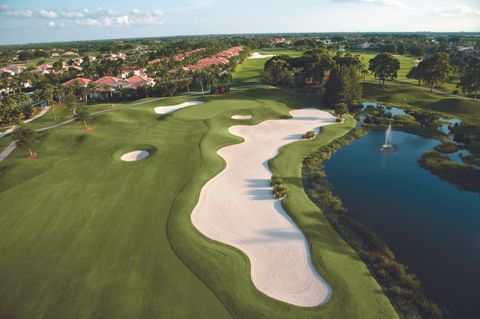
{"points": [[241, 34]]}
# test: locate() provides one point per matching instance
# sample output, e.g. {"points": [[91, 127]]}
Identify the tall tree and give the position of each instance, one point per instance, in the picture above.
{"points": [[343, 86], [434, 70], [384, 67], [278, 73], [470, 80], [414, 73], [82, 115], [71, 102], [24, 137]]}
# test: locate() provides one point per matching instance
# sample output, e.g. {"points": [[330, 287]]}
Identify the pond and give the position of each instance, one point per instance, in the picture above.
{"points": [[430, 225]]}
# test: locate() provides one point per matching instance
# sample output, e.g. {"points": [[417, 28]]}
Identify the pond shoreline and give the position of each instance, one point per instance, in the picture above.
{"points": [[401, 286]]}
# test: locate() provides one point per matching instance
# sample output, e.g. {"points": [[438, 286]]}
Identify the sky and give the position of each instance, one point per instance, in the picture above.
{"points": [[28, 21]]}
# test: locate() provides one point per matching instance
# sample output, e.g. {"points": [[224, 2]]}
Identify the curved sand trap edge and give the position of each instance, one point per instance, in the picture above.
{"points": [[237, 208], [242, 117], [258, 55], [135, 156], [172, 108]]}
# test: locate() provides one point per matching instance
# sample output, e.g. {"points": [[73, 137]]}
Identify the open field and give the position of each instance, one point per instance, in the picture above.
{"points": [[93, 236], [406, 64]]}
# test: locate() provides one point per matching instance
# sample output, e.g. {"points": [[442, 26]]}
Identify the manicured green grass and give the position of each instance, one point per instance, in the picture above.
{"points": [[248, 72], [465, 109], [84, 235], [406, 64]]}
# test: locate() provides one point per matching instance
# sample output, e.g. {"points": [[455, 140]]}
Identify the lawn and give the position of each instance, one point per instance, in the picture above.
{"points": [[406, 64], [465, 109], [248, 72], [83, 235]]}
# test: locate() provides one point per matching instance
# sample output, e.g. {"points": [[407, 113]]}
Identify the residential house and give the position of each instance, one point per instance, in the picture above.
{"points": [[110, 82], [137, 81], [135, 70], [82, 81], [14, 69]]}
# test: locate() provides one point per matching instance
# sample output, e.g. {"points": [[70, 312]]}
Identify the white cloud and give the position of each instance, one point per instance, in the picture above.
{"points": [[21, 14], [123, 20], [42, 13], [47, 14], [388, 3], [97, 18], [4, 8], [118, 21], [456, 10], [73, 14], [53, 24], [88, 22]]}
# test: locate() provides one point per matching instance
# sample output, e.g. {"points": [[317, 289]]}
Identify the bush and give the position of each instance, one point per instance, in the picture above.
{"points": [[446, 148], [309, 135], [465, 177], [280, 190], [332, 201]]}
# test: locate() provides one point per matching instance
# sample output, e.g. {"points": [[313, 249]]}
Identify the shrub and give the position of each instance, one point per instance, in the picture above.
{"points": [[447, 148], [280, 190], [309, 135]]}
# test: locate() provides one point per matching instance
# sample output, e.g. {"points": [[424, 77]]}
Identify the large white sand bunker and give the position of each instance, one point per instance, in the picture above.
{"points": [[237, 207], [172, 108], [135, 156], [241, 117], [258, 55]]}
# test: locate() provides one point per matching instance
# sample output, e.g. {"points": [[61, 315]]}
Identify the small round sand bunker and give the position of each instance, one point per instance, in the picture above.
{"points": [[242, 117], [135, 156]]}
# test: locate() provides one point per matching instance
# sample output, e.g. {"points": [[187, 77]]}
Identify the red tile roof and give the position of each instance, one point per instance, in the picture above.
{"points": [[136, 81], [81, 81], [108, 80], [221, 58], [180, 57]]}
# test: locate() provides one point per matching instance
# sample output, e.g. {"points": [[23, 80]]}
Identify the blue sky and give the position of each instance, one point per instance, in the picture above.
{"points": [[24, 21]]}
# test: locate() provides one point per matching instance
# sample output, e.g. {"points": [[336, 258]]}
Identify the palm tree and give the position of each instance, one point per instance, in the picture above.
{"points": [[93, 87], [82, 115], [227, 77], [24, 136], [145, 87], [47, 96], [58, 93], [200, 76], [107, 93], [71, 102]]}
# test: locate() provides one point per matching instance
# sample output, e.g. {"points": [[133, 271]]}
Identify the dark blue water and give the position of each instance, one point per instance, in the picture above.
{"points": [[429, 224]]}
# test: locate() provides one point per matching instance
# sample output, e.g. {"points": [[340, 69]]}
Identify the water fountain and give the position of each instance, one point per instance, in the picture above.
{"points": [[388, 146]]}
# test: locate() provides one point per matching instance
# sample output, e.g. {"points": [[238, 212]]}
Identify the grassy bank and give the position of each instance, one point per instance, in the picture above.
{"points": [[465, 177], [403, 288]]}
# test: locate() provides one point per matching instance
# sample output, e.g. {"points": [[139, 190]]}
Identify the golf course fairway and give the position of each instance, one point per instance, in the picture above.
{"points": [[86, 235]]}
